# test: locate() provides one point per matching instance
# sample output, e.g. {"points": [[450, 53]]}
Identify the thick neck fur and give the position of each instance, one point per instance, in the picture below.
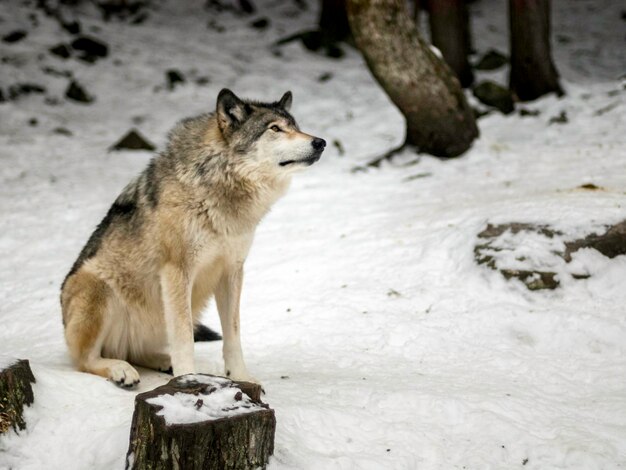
{"points": [[226, 188]]}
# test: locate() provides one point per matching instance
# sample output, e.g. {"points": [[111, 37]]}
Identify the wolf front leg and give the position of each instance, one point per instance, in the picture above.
{"points": [[178, 322], [227, 297]]}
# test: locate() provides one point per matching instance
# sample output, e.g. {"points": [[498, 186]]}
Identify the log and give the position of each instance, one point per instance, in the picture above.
{"points": [[15, 392], [200, 421]]}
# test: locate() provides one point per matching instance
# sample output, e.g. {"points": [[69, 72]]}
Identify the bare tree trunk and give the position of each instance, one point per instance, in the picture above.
{"points": [[439, 119], [533, 73], [449, 32], [334, 20]]}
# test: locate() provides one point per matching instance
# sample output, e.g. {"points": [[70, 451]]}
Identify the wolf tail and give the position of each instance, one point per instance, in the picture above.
{"points": [[204, 333]]}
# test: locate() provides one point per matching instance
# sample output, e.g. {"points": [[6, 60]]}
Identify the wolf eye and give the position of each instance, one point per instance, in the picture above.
{"points": [[275, 128]]}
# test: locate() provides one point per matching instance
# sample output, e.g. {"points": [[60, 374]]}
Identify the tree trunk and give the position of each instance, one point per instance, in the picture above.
{"points": [[449, 32], [533, 73], [333, 22], [15, 392], [438, 119], [221, 438]]}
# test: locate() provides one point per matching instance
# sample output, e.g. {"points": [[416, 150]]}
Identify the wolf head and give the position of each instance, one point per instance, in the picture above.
{"points": [[265, 134]]}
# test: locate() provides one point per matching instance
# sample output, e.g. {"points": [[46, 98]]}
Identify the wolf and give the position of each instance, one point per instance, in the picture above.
{"points": [[176, 236]]}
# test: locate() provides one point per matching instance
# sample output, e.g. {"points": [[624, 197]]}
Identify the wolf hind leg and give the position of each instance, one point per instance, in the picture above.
{"points": [[84, 302], [156, 361]]}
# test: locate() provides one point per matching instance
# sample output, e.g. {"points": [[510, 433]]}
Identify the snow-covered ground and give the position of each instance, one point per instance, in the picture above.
{"points": [[381, 344]]}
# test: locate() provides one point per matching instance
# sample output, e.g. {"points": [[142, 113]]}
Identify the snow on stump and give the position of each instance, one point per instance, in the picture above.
{"points": [[15, 392], [200, 421]]}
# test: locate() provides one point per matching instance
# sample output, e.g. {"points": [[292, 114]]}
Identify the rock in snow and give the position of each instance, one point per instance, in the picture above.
{"points": [[133, 140], [492, 94], [76, 92]]}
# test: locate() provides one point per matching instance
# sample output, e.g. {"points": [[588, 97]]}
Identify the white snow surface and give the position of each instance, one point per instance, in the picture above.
{"points": [[221, 402], [7, 361], [379, 341]]}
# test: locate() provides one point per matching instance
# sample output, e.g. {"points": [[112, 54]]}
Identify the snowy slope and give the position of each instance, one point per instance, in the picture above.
{"points": [[380, 342]]}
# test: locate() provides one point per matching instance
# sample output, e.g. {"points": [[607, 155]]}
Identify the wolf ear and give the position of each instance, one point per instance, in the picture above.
{"points": [[231, 111], [285, 101]]}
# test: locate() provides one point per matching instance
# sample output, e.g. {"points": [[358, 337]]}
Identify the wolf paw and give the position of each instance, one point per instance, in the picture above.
{"points": [[124, 375]]}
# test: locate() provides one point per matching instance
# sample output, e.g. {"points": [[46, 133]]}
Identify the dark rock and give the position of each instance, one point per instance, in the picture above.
{"points": [[315, 41], [492, 60], [133, 141], [334, 51], [483, 254], [203, 81], [246, 6], [312, 40], [57, 73], [529, 112], [76, 92], [72, 27], [61, 50], [62, 131], [590, 187], [52, 101], [174, 77], [493, 231], [560, 119], [14, 36], [612, 243], [2, 98], [492, 94], [90, 46], [89, 59], [33, 122], [121, 10], [261, 23], [339, 147], [534, 280], [19, 89], [325, 77]]}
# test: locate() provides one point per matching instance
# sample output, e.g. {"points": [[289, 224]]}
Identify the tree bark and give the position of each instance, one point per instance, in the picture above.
{"points": [[439, 120], [533, 73], [333, 22], [450, 33], [15, 392], [239, 442]]}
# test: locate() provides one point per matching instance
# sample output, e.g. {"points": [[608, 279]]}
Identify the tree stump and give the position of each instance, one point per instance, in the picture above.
{"points": [[200, 421], [15, 392]]}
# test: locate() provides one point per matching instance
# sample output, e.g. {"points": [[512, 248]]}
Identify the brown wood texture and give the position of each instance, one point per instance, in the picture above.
{"points": [[239, 442], [15, 392], [439, 120]]}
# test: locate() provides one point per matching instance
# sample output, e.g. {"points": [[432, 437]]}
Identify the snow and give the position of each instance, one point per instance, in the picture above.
{"points": [[221, 402], [379, 341], [6, 361]]}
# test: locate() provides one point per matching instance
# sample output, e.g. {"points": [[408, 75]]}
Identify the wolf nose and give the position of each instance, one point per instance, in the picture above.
{"points": [[318, 144]]}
